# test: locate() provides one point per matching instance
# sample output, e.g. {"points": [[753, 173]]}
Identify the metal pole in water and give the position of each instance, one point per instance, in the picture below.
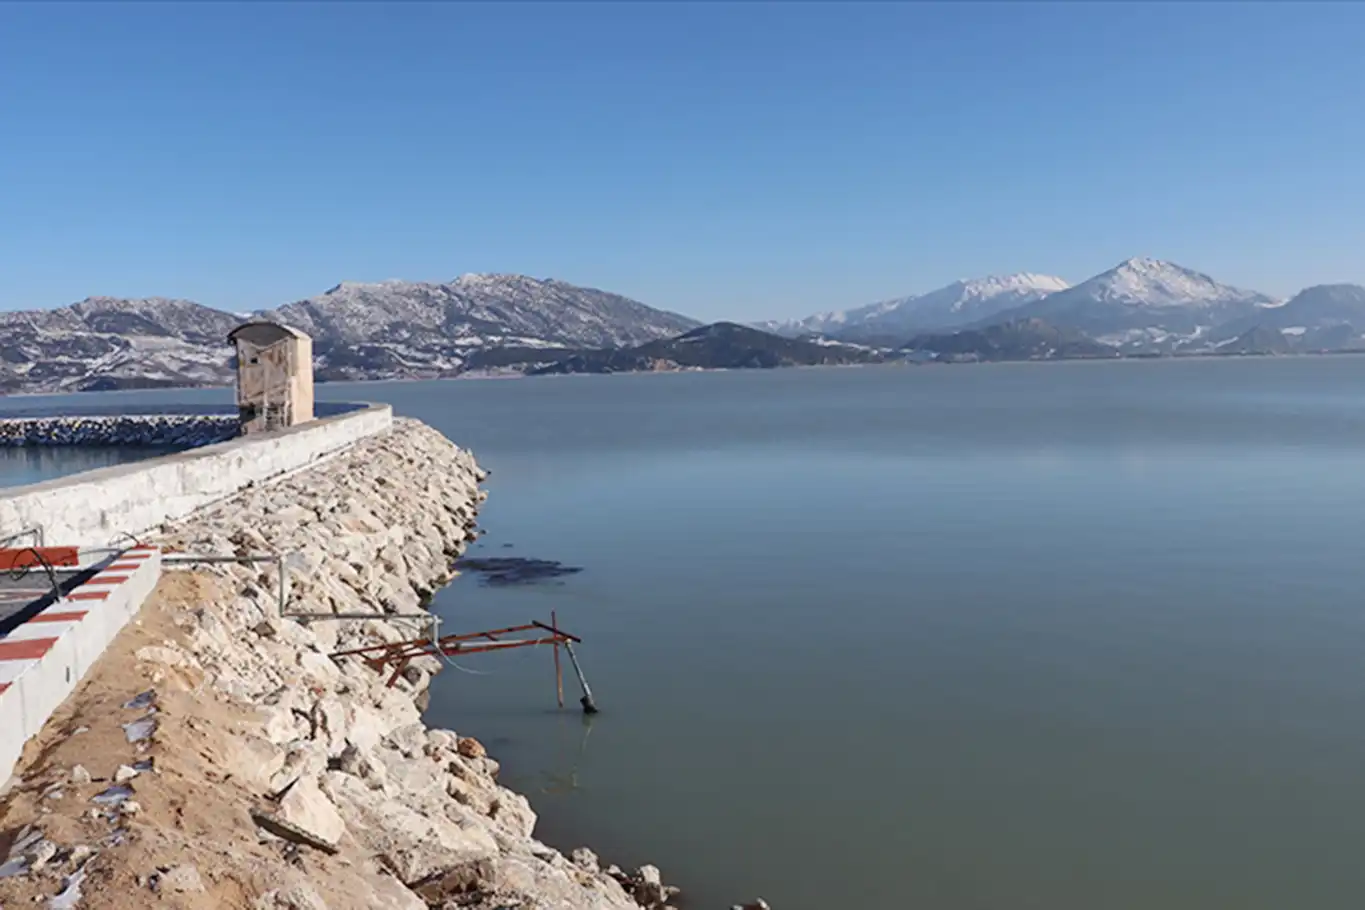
{"points": [[559, 671], [586, 701]]}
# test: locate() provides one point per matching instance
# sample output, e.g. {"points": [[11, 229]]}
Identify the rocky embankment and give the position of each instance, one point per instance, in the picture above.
{"points": [[279, 777], [178, 431]]}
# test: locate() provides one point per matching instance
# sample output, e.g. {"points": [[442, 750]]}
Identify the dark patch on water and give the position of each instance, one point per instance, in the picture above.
{"points": [[515, 570]]}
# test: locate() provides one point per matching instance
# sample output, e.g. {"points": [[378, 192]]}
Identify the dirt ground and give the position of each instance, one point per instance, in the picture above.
{"points": [[192, 809]]}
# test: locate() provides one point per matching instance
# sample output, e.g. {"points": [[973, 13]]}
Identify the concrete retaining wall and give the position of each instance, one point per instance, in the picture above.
{"points": [[97, 508], [43, 660]]}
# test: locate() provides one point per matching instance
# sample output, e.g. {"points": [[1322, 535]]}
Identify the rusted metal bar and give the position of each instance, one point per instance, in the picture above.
{"points": [[399, 655], [541, 625], [398, 646]]}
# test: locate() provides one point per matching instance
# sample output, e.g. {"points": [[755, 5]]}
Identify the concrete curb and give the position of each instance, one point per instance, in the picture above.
{"points": [[44, 659]]}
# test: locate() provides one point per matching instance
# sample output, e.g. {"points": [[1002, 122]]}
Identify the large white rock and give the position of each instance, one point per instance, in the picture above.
{"points": [[306, 806], [413, 845]]}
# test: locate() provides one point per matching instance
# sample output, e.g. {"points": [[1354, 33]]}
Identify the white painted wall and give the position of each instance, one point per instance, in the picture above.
{"points": [[95, 507]]}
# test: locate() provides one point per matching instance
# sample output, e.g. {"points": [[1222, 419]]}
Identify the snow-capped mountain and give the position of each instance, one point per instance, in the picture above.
{"points": [[1143, 297], [471, 308], [958, 304], [120, 316], [360, 331], [404, 329], [106, 342]]}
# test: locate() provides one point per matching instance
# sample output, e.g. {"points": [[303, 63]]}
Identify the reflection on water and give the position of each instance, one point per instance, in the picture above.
{"points": [[32, 464]]}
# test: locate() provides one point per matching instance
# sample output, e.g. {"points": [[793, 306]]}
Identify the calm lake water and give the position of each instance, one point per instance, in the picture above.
{"points": [[1057, 636]]}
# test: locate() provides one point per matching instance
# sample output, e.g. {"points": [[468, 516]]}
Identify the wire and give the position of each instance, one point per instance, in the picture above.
{"points": [[19, 571], [436, 646]]}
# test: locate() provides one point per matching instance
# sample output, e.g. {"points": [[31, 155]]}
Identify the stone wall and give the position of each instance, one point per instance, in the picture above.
{"points": [[97, 508], [178, 431]]}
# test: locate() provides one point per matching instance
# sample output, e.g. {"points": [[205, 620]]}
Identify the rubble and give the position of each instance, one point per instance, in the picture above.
{"points": [[322, 788], [346, 759]]}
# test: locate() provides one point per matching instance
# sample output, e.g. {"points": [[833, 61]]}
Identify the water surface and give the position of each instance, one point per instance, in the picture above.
{"points": [[1031, 636], [1059, 636]]}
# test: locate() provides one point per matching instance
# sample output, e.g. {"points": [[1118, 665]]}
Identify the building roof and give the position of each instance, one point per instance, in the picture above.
{"points": [[263, 332]]}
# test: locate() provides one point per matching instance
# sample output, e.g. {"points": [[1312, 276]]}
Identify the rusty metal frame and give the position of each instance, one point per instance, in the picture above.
{"points": [[400, 654]]}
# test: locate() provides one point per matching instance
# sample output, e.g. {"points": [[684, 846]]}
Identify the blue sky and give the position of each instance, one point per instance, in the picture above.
{"points": [[726, 160]]}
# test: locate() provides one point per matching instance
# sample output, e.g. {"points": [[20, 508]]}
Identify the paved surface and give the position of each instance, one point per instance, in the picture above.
{"points": [[19, 593]]}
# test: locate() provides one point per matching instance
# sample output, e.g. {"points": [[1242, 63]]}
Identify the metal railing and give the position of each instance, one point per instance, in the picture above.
{"points": [[282, 573], [281, 563], [36, 532]]}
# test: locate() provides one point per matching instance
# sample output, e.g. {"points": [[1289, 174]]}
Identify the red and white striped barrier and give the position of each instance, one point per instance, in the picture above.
{"points": [[43, 659]]}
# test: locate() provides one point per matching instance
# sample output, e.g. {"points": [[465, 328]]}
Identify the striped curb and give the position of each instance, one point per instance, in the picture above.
{"points": [[43, 659]]}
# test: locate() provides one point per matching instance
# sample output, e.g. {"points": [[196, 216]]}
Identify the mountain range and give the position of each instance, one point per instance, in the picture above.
{"points": [[1141, 306], [482, 322], [383, 330], [959, 304]]}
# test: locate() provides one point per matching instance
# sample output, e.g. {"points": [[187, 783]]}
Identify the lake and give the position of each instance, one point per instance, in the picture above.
{"points": [[1058, 636], [24, 465]]}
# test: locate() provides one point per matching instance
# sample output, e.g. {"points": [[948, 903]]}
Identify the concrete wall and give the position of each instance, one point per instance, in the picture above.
{"points": [[97, 507], [43, 660]]}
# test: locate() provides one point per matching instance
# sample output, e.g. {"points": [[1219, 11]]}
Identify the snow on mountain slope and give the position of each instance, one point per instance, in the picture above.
{"points": [[479, 305], [1143, 294], [388, 329], [1315, 315], [958, 304]]}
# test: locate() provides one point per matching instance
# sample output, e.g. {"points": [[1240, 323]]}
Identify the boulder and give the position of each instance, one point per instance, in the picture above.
{"points": [[307, 807], [470, 747], [181, 880], [413, 846]]}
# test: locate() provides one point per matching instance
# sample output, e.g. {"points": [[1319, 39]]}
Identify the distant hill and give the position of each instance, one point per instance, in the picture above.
{"points": [[1323, 317], [720, 346], [1021, 339], [1258, 340]]}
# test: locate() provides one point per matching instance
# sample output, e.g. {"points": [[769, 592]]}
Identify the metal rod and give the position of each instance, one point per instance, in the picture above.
{"points": [[586, 701], [559, 671], [445, 639], [191, 557], [36, 531], [541, 625], [284, 582], [393, 616], [282, 573]]}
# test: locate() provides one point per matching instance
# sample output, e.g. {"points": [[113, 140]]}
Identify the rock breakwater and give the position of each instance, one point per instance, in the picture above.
{"points": [[180, 431], [279, 776]]}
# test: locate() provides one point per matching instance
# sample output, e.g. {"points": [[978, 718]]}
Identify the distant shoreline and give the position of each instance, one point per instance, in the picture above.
{"points": [[486, 377]]}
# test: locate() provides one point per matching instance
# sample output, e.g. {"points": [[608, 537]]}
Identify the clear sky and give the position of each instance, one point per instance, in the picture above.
{"points": [[738, 160]]}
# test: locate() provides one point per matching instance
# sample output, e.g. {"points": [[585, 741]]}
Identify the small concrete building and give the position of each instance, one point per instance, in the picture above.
{"points": [[274, 376]]}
